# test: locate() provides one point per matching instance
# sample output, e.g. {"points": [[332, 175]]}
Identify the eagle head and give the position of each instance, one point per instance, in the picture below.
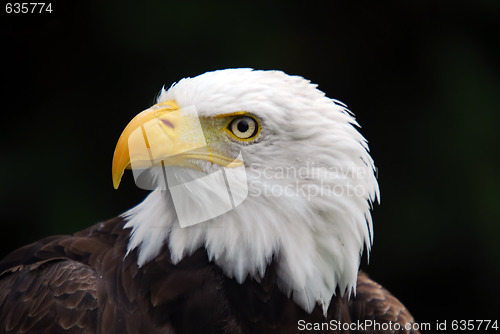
{"points": [[254, 167]]}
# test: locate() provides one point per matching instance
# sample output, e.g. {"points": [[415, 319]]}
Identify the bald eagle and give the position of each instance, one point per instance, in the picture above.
{"points": [[259, 214]]}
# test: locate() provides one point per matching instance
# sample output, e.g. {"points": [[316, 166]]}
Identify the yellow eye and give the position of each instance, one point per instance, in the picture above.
{"points": [[244, 127]]}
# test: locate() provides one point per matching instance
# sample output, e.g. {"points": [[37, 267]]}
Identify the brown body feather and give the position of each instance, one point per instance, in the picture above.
{"points": [[84, 284]]}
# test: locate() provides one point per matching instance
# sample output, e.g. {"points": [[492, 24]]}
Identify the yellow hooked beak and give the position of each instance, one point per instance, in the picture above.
{"points": [[164, 134]]}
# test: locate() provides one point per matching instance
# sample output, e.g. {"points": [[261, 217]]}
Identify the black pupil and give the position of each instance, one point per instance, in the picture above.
{"points": [[243, 126]]}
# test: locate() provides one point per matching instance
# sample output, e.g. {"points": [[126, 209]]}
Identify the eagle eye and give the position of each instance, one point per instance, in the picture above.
{"points": [[244, 127]]}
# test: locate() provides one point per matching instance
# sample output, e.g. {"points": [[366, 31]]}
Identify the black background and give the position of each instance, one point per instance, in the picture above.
{"points": [[422, 77]]}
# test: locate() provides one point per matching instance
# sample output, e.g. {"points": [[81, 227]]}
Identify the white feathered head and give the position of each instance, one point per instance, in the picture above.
{"points": [[308, 180]]}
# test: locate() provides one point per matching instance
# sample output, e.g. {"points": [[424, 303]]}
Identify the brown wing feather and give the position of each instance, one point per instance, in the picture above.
{"points": [[84, 284], [373, 302], [52, 286], [52, 297]]}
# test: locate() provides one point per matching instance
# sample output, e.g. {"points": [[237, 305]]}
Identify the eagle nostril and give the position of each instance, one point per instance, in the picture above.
{"points": [[168, 123]]}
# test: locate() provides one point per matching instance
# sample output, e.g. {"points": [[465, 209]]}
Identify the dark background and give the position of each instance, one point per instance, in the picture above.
{"points": [[423, 78]]}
